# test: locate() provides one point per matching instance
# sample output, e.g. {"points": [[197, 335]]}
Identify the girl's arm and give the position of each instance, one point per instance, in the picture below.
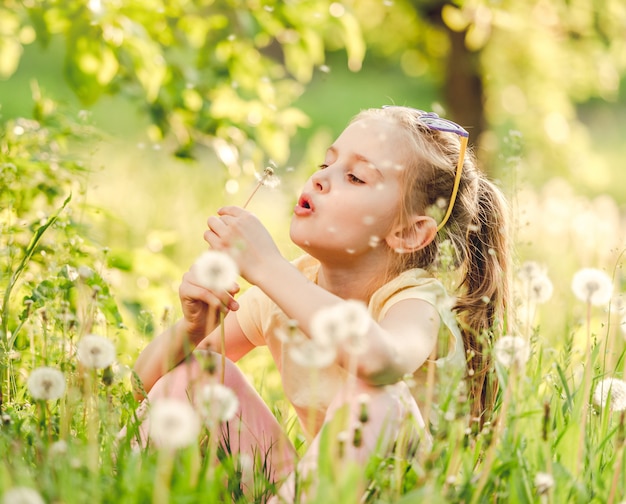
{"points": [[201, 316], [398, 345]]}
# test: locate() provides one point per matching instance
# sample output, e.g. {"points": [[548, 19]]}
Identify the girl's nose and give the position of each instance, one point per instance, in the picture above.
{"points": [[320, 182]]}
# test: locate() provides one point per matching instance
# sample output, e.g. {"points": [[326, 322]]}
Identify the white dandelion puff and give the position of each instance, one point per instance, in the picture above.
{"points": [[216, 270], [345, 324], [219, 403], [540, 289], [358, 321], [22, 495], [543, 482], [511, 351], [616, 389], [268, 178], [312, 353], [95, 352], [46, 383], [174, 423], [530, 270], [593, 286]]}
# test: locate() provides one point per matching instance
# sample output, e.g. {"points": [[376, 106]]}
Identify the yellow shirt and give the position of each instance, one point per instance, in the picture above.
{"points": [[311, 389]]}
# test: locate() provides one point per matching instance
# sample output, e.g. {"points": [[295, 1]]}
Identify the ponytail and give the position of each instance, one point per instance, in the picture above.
{"points": [[485, 291]]}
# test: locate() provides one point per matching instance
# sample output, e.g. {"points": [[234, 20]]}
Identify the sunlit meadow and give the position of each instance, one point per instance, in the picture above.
{"points": [[89, 279]]}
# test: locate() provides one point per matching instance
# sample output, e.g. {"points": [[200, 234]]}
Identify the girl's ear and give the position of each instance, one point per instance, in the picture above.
{"points": [[417, 235]]}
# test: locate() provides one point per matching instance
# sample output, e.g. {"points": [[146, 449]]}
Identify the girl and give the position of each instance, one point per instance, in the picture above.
{"points": [[367, 222]]}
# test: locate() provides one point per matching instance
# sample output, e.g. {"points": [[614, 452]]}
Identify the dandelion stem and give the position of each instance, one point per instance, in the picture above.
{"points": [[256, 188], [585, 394], [495, 441], [222, 348]]}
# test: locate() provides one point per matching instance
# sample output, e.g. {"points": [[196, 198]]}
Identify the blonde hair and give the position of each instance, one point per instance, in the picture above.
{"points": [[477, 231]]}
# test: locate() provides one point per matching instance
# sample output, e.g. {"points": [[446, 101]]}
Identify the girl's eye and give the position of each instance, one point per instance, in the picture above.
{"points": [[355, 179], [322, 166]]}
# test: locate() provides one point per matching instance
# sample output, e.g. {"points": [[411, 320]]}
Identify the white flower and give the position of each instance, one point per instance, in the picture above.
{"points": [[345, 324], [592, 286], [511, 351], [543, 482], [22, 495], [616, 388], [95, 352], [46, 383], [173, 423], [311, 353], [219, 403], [216, 270]]}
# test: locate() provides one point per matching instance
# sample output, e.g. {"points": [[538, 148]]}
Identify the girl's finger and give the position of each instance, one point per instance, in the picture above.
{"points": [[216, 224]]}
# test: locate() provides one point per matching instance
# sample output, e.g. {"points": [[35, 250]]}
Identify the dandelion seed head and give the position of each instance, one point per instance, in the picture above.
{"points": [[543, 482], [174, 423], [511, 351], [46, 383], [345, 323], [219, 403], [312, 353], [614, 387], [268, 178], [85, 272], [530, 270], [58, 448], [22, 495], [540, 289], [216, 270], [95, 352], [593, 286]]}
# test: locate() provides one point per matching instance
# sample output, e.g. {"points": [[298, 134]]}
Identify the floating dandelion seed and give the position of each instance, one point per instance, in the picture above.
{"points": [[592, 286], [219, 403], [173, 423], [216, 270], [543, 482], [267, 178], [616, 389], [22, 495], [511, 351], [46, 383], [95, 352]]}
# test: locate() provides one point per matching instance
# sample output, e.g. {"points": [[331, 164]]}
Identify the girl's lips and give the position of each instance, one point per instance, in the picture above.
{"points": [[304, 206]]}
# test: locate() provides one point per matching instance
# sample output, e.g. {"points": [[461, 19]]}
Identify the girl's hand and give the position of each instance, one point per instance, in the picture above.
{"points": [[202, 307], [244, 237]]}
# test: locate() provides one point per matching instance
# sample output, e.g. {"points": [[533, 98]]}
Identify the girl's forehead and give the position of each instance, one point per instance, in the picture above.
{"points": [[378, 139]]}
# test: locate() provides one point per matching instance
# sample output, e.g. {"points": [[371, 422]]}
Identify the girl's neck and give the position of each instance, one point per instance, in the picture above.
{"points": [[350, 281]]}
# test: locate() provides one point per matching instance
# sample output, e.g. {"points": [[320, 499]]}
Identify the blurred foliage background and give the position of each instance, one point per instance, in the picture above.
{"points": [[184, 101]]}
